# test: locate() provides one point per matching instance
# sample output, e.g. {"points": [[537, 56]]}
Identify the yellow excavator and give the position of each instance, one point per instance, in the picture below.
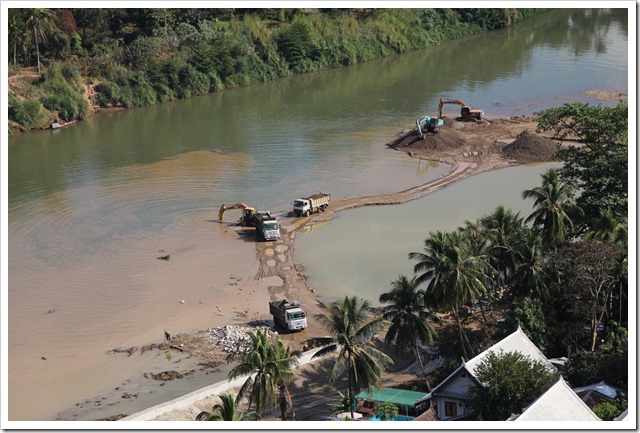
{"points": [[466, 112], [225, 207]]}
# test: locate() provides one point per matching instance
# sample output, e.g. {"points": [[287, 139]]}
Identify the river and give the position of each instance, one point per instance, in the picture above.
{"points": [[90, 207]]}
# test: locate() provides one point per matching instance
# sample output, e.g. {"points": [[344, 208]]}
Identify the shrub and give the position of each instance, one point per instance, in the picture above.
{"points": [[386, 411], [69, 106], [108, 94], [27, 113]]}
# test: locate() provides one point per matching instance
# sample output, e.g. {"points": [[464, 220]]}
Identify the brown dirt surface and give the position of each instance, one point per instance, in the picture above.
{"points": [[480, 142]]}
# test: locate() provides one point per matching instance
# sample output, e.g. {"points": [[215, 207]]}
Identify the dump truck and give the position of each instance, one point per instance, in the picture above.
{"points": [[307, 205], [265, 223], [288, 315]]}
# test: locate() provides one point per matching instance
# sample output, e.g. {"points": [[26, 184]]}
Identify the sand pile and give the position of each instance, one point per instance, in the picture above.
{"points": [[531, 148]]}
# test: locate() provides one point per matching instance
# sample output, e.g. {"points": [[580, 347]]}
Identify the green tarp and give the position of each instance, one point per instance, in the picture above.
{"points": [[394, 395]]}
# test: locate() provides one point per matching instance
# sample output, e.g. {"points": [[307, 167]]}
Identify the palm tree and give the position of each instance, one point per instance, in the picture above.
{"points": [[502, 227], [267, 364], [409, 317], [453, 275], [530, 277], [551, 201], [227, 410], [38, 22], [607, 228], [350, 328]]}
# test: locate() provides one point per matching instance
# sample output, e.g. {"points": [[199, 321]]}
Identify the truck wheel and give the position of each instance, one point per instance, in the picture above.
{"points": [[306, 213]]}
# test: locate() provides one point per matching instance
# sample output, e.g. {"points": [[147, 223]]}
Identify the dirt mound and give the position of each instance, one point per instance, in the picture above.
{"points": [[531, 148]]}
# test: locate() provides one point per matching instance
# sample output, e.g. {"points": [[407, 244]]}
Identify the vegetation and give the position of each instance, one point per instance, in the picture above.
{"points": [[268, 364], [386, 411], [351, 329], [560, 272], [506, 384], [138, 57], [608, 411], [600, 170], [227, 410], [455, 276], [409, 317]]}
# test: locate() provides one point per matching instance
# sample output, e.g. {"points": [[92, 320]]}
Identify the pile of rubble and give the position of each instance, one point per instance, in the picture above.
{"points": [[234, 339]]}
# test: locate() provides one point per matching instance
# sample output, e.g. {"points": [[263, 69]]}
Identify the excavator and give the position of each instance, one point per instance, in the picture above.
{"points": [[265, 223], [466, 112], [247, 210]]}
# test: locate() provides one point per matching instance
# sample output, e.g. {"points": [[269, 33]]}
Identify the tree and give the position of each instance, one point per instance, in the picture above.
{"points": [[586, 271], [386, 411], [608, 411], [409, 317], [227, 410], [530, 318], [507, 382], [530, 277], [501, 228], [268, 365], [551, 201], [599, 170], [351, 329], [607, 228], [453, 275], [585, 368], [16, 31], [38, 21], [286, 404]]}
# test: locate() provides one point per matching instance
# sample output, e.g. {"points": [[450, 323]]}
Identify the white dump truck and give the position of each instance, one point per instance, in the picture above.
{"points": [[307, 205], [288, 315]]}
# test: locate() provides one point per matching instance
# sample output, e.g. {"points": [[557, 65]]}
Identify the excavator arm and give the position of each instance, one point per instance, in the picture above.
{"points": [[226, 207]]}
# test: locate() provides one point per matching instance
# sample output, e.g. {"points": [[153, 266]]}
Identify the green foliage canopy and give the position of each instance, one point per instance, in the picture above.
{"points": [[507, 383]]}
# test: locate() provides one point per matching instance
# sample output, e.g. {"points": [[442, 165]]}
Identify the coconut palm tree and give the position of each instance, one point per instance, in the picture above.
{"points": [[268, 365], [454, 276], [501, 228], [607, 228], [551, 201], [348, 323], [409, 317], [227, 410], [530, 277], [38, 21]]}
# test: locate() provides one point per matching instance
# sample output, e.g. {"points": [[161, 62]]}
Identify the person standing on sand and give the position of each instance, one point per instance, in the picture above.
{"points": [[167, 337]]}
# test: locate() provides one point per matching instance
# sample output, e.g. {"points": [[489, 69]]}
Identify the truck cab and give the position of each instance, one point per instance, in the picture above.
{"points": [[296, 319], [302, 206], [270, 229]]}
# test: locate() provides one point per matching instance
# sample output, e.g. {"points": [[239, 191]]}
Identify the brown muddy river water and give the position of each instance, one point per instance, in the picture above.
{"points": [[89, 209]]}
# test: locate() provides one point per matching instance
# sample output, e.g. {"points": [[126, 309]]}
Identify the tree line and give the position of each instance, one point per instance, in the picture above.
{"points": [[138, 57], [561, 272]]}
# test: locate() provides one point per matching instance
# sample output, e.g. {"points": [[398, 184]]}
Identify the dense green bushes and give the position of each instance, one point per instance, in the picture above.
{"points": [[64, 92], [140, 57], [27, 113]]}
